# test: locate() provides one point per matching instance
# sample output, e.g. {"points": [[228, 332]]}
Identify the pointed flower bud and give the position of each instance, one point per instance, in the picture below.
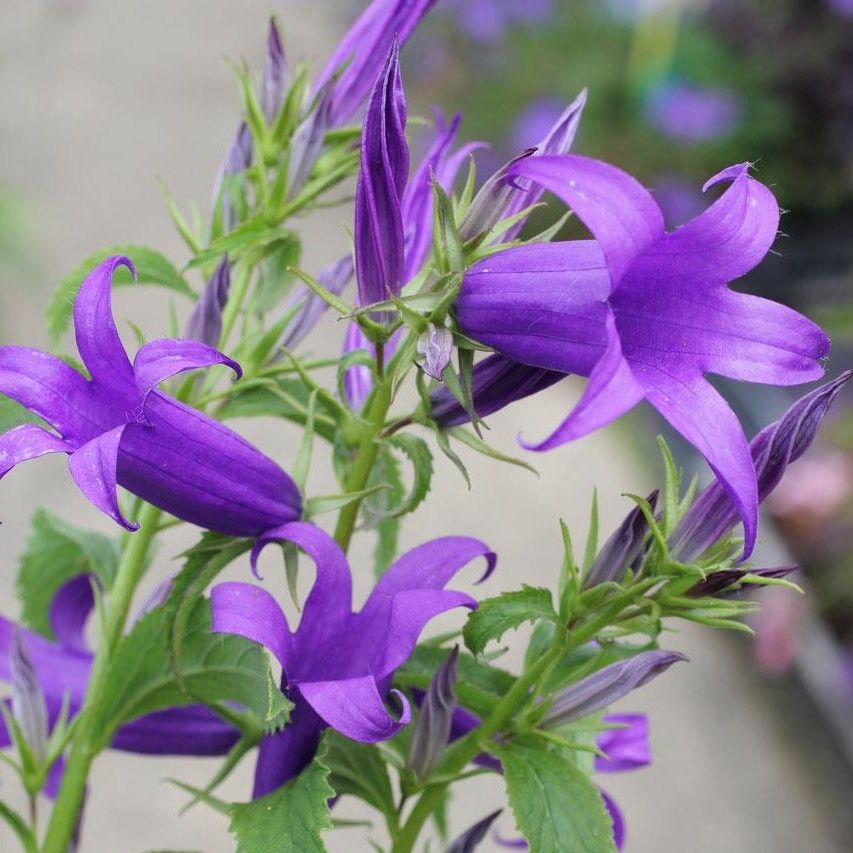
{"points": [[432, 729], [28, 704], [308, 140], [604, 687], [622, 548], [713, 513], [205, 322], [435, 345], [471, 838], [238, 159], [379, 246], [718, 582], [274, 81]]}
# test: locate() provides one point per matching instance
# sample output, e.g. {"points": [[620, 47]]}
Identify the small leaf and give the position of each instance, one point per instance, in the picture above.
{"points": [[151, 268], [476, 443], [19, 826], [556, 806], [592, 537], [290, 819], [419, 455], [497, 615], [672, 489]]}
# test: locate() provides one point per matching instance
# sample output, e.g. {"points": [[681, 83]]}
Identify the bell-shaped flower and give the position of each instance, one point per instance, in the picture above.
{"points": [[713, 513], [117, 428], [337, 666], [646, 314]]}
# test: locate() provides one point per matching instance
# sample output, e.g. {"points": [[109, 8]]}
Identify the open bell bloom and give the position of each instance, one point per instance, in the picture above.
{"points": [[645, 314], [117, 428], [338, 665]]}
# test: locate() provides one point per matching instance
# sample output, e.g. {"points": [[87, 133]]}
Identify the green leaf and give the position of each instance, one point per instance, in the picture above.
{"points": [[151, 268], [476, 443], [213, 668], [419, 455], [358, 769], [556, 806], [290, 819], [497, 615], [19, 826], [56, 552], [592, 537], [672, 488]]}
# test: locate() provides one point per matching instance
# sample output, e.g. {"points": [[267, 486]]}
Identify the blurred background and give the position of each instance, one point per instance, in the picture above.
{"points": [[752, 740]]}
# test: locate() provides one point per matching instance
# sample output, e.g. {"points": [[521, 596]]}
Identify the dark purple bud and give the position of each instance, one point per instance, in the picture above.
{"points": [[622, 548], [718, 582], [496, 382], [432, 728], [471, 838], [238, 159], [379, 249], [435, 345], [778, 445], [604, 687], [205, 322], [29, 708], [359, 55], [334, 278], [274, 81], [308, 140], [492, 201]]}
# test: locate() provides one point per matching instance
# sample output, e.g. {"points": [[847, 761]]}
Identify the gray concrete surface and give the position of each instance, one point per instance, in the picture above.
{"points": [[96, 100]]}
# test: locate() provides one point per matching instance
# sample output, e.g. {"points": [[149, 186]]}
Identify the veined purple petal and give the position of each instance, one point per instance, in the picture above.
{"points": [[359, 56], [25, 442], [334, 278], [605, 686], [159, 360], [94, 467], [28, 704], [627, 748], [354, 707], [97, 337], [495, 383], [713, 513], [621, 214], [205, 322], [435, 345], [379, 245], [358, 380], [274, 80], [250, 612], [188, 730], [69, 611]]}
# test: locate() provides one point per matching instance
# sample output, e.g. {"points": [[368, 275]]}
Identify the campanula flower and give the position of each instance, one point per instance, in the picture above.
{"points": [[118, 429], [338, 665], [645, 314]]}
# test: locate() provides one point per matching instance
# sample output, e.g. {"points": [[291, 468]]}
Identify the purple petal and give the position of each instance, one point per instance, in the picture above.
{"points": [[189, 730], [237, 159], [251, 612], [718, 583], [626, 748], [495, 383], [379, 246], [621, 214], [69, 611], [94, 469], [98, 341], [205, 322], [160, 360], [53, 390], [436, 346], [609, 394], [471, 838], [354, 707], [616, 819], [25, 442], [363, 48], [358, 379]]}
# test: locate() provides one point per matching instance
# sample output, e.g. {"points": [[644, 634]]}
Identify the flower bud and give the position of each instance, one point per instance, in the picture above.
{"points": [[435, 345], [28, 705], [468, 841], [205, 322]]}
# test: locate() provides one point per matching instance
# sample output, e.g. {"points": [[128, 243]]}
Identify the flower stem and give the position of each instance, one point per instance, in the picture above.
{"points": [[84, 750]]}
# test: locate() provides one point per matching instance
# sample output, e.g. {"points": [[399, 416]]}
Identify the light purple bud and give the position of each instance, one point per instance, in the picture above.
{"points": [[205, 322], [358, 380], [308, 140], [604, 687], [435, 345], [238, 159], [334, 278], [29, 708], [432, 729], [471, 838], [622, 548], [718, 583], [274, 80], [713, 514]]}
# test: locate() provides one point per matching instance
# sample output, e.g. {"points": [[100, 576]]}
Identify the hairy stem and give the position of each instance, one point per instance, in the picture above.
{"points": [[84, 750]]}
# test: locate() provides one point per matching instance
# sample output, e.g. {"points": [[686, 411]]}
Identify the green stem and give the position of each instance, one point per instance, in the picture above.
{"points": [[84, 749], [365, 458]]}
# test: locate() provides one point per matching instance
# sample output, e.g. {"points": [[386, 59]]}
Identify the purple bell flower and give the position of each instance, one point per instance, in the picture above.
{"points": [[338, 665], [645, 313], [118, 429]]}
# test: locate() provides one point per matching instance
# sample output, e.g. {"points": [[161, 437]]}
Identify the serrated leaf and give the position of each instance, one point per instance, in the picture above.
{"points": [[290, 819], [56, 552], [556, 806], [151, 268], [358, 769], [495, 616], [418, 452]]}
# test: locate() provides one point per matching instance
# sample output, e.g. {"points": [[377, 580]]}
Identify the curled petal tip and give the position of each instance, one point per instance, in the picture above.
{"points": [[731, 173], [491, 561]]}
